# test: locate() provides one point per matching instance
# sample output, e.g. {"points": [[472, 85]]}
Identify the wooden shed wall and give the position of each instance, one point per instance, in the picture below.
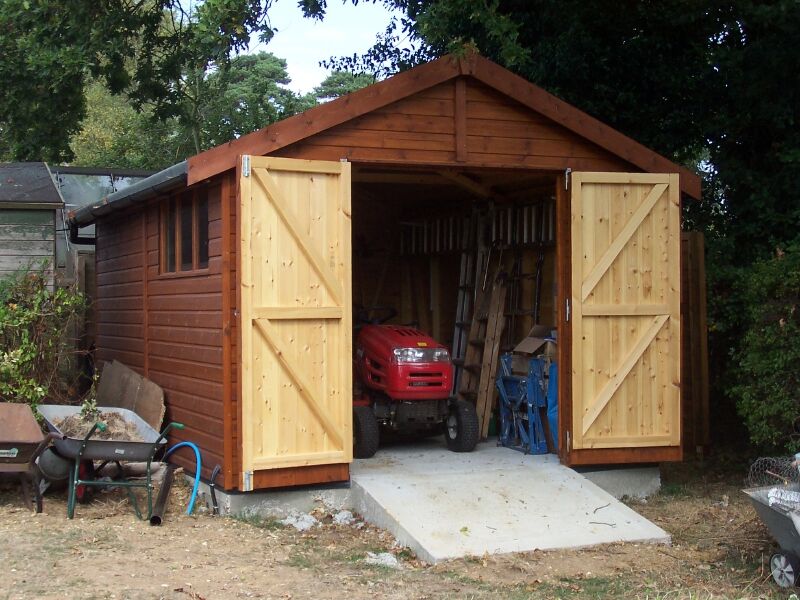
{"points": [[27, 237], [458, 123], [168, 327]]}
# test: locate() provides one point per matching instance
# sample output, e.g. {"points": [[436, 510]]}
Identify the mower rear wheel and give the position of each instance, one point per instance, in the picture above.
{"points": [[366, 434], [461, 427]]}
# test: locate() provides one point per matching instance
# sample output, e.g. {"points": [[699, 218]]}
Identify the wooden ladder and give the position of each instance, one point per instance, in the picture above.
{"points": [[483, 348], [473, 255]]}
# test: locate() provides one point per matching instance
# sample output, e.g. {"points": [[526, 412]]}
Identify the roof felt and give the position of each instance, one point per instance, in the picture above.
{"points": [[28, 183]]}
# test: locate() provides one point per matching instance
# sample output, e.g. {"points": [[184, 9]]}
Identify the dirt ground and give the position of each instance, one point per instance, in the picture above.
{"points": [[719, 550]]}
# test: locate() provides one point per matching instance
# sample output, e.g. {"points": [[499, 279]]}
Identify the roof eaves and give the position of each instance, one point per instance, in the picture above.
{"points": [[141, 191]]}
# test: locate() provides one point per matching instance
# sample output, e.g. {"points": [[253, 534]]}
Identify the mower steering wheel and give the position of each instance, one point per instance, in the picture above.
{"points": [[385, 313]]}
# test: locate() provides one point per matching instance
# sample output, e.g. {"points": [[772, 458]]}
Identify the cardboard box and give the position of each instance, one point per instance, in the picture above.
{"points": [[539, 336], [540, 341]]}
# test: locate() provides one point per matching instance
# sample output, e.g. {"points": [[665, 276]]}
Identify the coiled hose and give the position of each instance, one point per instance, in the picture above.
{"points": [[199, 466]]}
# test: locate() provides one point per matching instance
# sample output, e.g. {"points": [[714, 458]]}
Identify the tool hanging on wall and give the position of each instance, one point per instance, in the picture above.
{"points": [[537, 298]]}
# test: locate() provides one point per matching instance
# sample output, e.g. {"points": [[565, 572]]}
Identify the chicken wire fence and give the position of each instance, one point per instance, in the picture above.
{"points": [[773, 470]]}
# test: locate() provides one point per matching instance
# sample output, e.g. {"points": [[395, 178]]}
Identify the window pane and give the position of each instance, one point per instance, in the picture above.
{"points": [[169, 235], [186, 233], [202, 230]]}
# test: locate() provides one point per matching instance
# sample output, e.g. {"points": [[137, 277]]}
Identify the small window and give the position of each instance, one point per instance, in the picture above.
{"points": [[184, 233]]}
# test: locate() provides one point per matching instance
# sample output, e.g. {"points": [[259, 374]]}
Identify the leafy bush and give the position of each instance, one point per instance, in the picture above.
{"points": [[37, 349], [766, 383]]}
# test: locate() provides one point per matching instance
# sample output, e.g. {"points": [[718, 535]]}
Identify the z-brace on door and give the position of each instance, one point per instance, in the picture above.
{"points": [[625, 312], [296, 315]]}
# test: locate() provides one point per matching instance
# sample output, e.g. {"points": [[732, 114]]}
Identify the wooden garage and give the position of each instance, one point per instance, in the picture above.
{"points": [[230, 279]]}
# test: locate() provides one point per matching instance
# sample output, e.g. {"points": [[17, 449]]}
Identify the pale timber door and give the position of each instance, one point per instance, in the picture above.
{"points": [[296, 315], [625, 312]]}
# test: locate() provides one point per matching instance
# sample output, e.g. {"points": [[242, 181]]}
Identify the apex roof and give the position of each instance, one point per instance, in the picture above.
{"points": [[328, 115]]}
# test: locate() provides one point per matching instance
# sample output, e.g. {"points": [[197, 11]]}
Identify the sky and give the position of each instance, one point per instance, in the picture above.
{"points": [[346, 30]]}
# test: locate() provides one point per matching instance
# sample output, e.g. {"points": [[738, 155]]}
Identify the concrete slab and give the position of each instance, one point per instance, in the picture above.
{"points": [[494, 500], [624, 481], [274, 503]]}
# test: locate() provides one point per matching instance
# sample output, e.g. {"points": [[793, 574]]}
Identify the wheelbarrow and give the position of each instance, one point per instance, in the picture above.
{"points": [[778, 507], [84, 452], [21, 442]]}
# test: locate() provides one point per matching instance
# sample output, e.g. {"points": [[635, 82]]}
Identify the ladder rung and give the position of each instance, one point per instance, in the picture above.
{"points": [[477, 342]]}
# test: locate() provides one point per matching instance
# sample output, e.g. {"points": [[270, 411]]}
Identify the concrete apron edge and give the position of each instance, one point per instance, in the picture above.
{"points": [[373, 512], [284, 503]]}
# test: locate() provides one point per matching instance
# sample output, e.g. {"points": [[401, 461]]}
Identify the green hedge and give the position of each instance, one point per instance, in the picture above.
{"points": [[37, 346], [766, 378]]}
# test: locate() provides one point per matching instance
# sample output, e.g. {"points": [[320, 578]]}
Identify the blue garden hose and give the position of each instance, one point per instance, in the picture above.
{"points": [[198, 467]]}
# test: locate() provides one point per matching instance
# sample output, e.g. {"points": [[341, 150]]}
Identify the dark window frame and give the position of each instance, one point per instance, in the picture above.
{"points": [[171, 234]]}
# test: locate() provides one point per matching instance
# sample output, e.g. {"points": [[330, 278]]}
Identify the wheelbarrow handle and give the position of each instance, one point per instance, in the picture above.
{"points": [[49, 437], [165, 431]]}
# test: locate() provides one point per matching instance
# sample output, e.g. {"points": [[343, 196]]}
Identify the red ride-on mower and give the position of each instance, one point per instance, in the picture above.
{"points": [[405, 377]]}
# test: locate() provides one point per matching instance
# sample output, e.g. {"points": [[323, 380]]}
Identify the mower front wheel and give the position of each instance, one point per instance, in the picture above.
{"points": [[366, 434], [461, 427]]}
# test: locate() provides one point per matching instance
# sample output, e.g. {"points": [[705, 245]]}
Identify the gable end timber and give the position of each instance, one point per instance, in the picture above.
{"points": [[277, 138]]}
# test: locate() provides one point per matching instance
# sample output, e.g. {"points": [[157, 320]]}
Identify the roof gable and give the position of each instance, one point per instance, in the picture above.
{"points": [[414, 81]]}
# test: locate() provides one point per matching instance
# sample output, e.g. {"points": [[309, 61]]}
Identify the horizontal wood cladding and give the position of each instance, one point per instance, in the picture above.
{"points": [[166, 326], [119, 301], [625, 456], [182, 318], [500, 127], [294, 476], [476, 128]]}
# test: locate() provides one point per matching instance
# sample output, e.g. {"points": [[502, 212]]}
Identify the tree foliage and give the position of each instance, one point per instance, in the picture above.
{"points": [[114, 134], [245, 97], [341, 83], [148, 49], [766, 382], [250, 94]]}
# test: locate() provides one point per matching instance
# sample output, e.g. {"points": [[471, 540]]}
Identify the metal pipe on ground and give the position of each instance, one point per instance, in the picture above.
{"points": [[163, 496]]}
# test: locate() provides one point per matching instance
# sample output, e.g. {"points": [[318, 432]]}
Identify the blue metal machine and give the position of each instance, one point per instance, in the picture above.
{"points": [[521, 397]]}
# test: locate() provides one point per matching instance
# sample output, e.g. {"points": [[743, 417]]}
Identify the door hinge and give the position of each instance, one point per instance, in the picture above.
{"points": [[568, 442], [567, 310], [567, 172], [246, 165], [248, 481]]}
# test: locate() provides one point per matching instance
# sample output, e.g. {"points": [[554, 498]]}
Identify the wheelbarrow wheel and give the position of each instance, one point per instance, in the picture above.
{"points": [[784, 567], [83, 493]]}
